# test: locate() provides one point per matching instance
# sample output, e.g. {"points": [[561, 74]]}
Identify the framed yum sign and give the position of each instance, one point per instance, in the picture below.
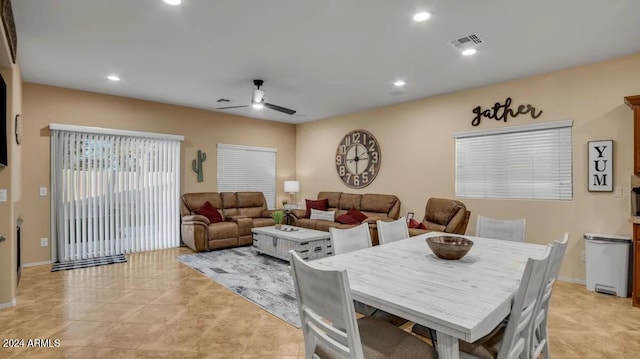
{"points": [[601, 166]]}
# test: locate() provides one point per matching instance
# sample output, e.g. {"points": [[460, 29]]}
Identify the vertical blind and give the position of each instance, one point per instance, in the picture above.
{"points": [[247, 168], [524, 162], [113, 191]]}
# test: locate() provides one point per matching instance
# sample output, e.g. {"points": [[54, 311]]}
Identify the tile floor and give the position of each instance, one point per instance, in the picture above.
{"points": [[156, 307]]}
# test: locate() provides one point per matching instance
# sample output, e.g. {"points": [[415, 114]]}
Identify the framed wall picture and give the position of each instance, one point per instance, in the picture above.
{"points": [[600, 166]]}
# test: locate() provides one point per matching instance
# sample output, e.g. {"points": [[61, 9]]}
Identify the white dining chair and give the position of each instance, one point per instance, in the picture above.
{"points": [[540, 341], [512, 339], [344, 240], [392, 231], [507, 229], [329, 324], [352, 239]]}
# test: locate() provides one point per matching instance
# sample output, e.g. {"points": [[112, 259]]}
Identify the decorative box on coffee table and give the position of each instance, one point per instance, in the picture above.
{"points": [[278, 242]]}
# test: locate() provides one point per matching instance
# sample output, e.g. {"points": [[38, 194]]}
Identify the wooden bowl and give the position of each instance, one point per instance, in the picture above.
{"points": [[449, 247]]}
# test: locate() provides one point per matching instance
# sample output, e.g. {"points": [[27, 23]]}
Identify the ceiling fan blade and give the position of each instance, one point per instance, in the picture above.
{"points": [[279, 108], [224, 108]]}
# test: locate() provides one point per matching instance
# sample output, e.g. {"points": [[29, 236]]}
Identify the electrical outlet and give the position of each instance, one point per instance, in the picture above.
{"points": [[44, 242], [43, 191], [583, 256]]}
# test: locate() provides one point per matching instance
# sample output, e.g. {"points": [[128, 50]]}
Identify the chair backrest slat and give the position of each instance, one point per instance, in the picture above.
{"points": [[506, 229], [350, 239], [392, 231]]}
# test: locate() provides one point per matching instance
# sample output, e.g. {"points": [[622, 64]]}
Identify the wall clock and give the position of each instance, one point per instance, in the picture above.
{"points": [[358, 159]]}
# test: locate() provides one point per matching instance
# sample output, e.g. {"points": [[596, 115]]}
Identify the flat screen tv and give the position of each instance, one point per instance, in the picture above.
{"points": [[3, 123]]}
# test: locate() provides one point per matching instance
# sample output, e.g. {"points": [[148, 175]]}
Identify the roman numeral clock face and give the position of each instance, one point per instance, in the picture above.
{"points": [[358, 159]]}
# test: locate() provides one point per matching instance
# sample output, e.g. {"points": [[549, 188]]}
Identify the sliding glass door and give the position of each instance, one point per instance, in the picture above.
{"points": [[113, 192]]}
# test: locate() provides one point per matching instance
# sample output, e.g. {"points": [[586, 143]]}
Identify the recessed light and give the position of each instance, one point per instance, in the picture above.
{"points": [[421, 16], [399, 83], [113, 78], [469, 52], [173, 2]]}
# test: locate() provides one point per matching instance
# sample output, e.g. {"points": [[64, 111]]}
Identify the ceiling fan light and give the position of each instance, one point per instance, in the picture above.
{"points": [[257, 96], [257, 105]]}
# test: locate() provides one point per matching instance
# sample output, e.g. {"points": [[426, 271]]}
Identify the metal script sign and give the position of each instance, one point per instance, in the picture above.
{"points": [[501, 112]]}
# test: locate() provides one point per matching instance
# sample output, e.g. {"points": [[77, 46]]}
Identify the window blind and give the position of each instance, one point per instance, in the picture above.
{"points": [[112, 192], [520, 162], [247, 168]]}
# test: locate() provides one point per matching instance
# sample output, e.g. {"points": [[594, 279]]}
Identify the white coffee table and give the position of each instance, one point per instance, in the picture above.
{"points": [[277, 243]]}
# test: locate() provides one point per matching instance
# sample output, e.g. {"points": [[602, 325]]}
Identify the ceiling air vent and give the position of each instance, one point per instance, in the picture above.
{"points": [[223, 100], [472, 40]]}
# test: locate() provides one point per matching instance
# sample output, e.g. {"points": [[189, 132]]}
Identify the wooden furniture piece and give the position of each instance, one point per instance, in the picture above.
{"points": [[392, 231], [278, 242], [350, 239], [540, 343], [634, 103], [635, 287], [464, 299], [329, 323], [506, 229]]}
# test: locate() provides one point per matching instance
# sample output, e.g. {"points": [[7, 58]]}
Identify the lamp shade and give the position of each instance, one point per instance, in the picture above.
{"points": [[291, 186]]}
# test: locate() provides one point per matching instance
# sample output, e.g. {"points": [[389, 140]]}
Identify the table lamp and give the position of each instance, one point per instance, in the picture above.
{"points": [[292, 187]]}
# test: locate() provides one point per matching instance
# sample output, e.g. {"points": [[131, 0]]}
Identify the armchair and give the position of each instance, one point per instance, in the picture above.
{"points": [[444, 215]]}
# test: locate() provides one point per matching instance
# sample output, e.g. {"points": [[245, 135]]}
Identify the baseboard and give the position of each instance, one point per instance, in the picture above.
{"points": [[34, 264], [572, 280], [7, 305]]}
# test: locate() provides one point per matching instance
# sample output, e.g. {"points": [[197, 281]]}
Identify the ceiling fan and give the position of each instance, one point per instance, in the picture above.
{"points": [[257, 101]]}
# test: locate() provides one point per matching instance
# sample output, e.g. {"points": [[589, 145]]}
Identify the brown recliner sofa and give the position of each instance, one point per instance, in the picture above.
{"points": [[241, 211], [443, 215], [384, 207]]}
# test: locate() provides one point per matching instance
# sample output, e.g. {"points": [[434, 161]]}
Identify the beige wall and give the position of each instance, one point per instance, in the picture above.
{"points": [[415, 137], [418, 150], [202, 130], [10, 178]]}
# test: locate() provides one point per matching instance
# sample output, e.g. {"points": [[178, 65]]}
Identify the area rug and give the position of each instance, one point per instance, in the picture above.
{"points": [[261, 279], [90, 262]]}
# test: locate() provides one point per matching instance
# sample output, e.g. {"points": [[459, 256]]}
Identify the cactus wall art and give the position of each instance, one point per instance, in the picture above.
{"points": [[197, 164]]}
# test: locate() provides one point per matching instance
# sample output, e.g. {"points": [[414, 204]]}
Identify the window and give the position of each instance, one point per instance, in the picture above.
{"points": [[246, 168], [524, 162]]}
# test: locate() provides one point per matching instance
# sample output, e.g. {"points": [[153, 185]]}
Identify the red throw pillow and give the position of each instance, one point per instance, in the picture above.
{"points": [[357, 215], [321, 204], [346, 219], [414, 224], [421, 226], [209, 211]]}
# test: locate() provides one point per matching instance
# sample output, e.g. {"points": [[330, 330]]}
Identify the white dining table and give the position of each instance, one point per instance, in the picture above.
{"points": [[460, 299]]}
